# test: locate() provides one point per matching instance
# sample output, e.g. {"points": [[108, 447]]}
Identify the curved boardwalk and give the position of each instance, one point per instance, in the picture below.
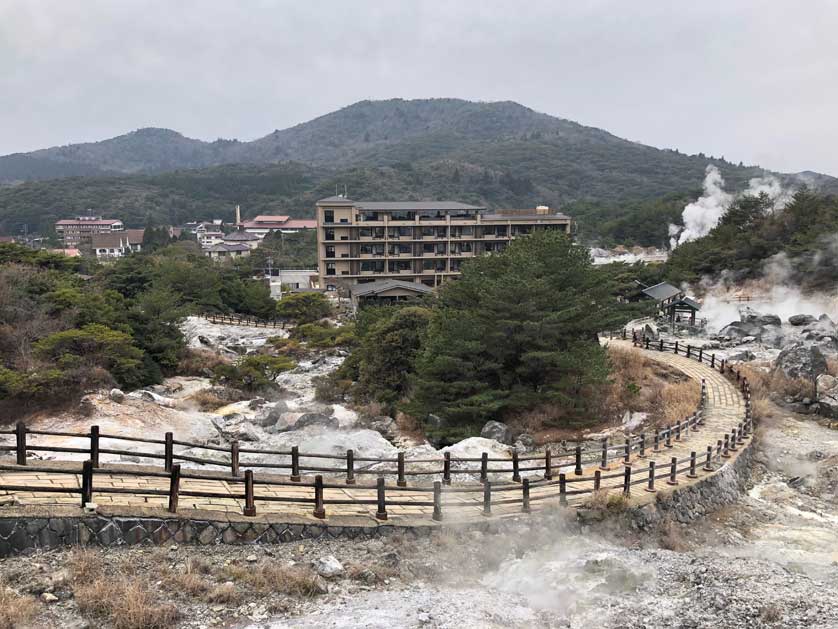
{"points": [[356, 504]]}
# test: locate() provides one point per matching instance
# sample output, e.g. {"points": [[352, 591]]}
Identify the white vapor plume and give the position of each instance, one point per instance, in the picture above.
{"points": [[702, 215]]}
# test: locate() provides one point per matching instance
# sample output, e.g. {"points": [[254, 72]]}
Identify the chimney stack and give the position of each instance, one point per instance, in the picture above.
{"points": [[238, 216]]}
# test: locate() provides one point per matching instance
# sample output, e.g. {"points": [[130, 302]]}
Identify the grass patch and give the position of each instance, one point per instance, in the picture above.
{"points": [[265, 578], [207, 401], [124, 603], [16, 610]]}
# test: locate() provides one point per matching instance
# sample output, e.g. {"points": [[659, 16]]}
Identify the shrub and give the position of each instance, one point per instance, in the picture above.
{"points": [[331, 388], [287, 346], [95, 345], [252, 372], [324, 335], [207, 400], [199, 362], [266, 578], [304, 307]]}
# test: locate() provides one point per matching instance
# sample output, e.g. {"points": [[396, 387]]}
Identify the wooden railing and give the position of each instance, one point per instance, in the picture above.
{"points": [[244, 320], [560, 470]]}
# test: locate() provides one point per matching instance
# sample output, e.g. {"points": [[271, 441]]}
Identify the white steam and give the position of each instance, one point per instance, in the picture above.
{"points": [[702, 215], [776, 292]]}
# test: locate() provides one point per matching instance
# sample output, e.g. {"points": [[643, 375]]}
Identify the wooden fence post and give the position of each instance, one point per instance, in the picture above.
{"points": [[651, 484], [732, 440], [668, 442], [642, 451], [627, 451], [516, 476], [234, 457], [597, 479], [525, 496], [548, 464], [249, 504], [577, 469], [562, 490], [168, 451], [381, 513], [20, 440], [446, 468], [319, 509], [708, 464], [174, 488], [94, 445], [657, 447], [350, 467], [487, 498], [627, 480], [437, 501], [673, 471], [712, 361], [676, 347], [692, 473], [86, 483], [604, 462], [484, 467], [689, 350], [295, 464], [401, 482]]}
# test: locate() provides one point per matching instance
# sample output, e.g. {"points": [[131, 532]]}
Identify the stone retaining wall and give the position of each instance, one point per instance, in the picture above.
{"points": [[24, 532], [691, 502]]}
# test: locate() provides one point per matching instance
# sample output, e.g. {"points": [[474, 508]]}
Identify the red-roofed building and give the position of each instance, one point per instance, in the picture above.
{"points": [[264, 224], [76, 231]]}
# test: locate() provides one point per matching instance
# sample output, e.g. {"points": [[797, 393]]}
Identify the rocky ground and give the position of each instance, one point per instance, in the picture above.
{"points": [[769, 561]]}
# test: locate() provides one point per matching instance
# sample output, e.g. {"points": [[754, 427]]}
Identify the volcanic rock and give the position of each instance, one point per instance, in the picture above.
{"points": [[799, 361], [801, 319], [498, 431]]}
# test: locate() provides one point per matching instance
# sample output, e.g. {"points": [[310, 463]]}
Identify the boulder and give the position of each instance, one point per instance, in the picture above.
{"points": [[827, 387], [741, 357], [317, 419], [800, 361], [386, 426], [801, 319], [649, 332], [749, 315], [271, 415], [116, 395], [498, 431], [525, 442], [327, 567]]}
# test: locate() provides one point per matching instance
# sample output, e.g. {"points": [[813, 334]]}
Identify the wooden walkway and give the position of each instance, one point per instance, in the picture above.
{"points": [[356, 504]]}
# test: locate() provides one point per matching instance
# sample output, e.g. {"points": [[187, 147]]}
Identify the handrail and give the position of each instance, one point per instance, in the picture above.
{"points": [[553, 482]]}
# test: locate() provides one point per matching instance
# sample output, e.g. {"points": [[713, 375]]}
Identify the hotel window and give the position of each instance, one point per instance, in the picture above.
{"points": [[330, 251], [328, 216]]}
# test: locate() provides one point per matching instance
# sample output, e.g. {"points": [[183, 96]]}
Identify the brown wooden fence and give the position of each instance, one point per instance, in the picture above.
{"points": [[559, 470], [244, 320]]}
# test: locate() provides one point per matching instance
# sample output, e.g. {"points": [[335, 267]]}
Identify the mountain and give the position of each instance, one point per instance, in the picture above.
{"points": [[497, 154]]}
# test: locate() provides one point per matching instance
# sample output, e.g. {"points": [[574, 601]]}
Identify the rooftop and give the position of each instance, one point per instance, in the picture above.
{"points": [[240, 236], [400, 206], [88, 221], [372, 288], [662, 291], [270, 218], [227, 248]]}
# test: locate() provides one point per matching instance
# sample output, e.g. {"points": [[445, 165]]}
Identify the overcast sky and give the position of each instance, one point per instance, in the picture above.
{"points": [[753, 81]]}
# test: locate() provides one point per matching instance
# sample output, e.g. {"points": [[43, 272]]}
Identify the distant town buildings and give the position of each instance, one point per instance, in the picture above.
{"points": [[117, 244], [414, 241], [225, 251], [264, 224], [81, 229]]}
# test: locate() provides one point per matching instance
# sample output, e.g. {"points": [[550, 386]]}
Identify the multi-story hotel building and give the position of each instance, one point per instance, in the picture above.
{"points": [[80, 230], [414, 241]]}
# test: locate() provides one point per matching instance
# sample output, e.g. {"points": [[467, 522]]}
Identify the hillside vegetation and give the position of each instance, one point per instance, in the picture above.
{"points": [[495, 154]]}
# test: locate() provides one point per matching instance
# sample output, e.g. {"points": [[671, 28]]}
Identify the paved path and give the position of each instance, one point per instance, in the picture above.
{"points": [[724, 410]]}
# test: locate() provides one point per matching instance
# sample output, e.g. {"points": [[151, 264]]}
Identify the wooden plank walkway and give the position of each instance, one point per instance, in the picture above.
{"points": [[724, 410]]}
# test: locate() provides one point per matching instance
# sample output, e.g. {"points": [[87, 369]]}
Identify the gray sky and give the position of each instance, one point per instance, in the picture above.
{"points": [[753, 81]]}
